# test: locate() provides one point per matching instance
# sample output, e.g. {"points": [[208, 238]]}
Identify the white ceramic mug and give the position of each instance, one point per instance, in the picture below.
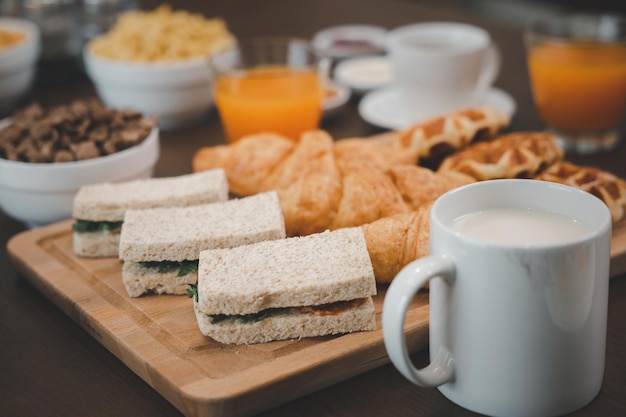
{"points": [[515, 329], [441, 66]]}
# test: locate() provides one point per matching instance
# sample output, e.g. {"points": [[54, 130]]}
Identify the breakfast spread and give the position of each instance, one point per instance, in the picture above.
{"points": [[83, 129], [315, 223], [379, 185], [162, 35], [98, 209], [323, 186]]}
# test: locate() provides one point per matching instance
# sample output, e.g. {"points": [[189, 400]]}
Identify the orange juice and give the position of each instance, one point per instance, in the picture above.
{"points": [[579, 86], [275, 99]]}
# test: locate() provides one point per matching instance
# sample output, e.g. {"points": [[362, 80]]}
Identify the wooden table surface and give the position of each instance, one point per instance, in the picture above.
{"points": [[49, 366]]}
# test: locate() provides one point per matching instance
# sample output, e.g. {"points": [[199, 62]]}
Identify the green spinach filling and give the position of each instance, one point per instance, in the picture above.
{"points": [[244, 318], [181, 268], [86, 226], [192, 292]]}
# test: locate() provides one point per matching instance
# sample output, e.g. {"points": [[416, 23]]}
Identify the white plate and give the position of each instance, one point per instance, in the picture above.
{"points": [[364, 74], [350, 40], [383, 108]]}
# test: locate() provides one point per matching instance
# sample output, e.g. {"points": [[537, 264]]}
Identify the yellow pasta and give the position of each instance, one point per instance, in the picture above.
{"points": [[162, 35]]}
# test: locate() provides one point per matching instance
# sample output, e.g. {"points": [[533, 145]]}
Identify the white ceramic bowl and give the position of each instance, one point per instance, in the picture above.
{"points": [[179, 93], [18, 63], [365, 73], [346, 41], [42, 193]]}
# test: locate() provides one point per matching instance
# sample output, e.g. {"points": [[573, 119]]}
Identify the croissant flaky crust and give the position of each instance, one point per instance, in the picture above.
{"points": [[394, 242], [320, 189]]}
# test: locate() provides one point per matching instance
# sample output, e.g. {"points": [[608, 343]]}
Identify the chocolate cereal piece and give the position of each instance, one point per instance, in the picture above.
{"points": [[84, 129]]}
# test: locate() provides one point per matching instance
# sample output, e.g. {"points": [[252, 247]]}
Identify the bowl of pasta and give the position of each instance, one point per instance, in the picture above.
{"points": [[157, 62]]}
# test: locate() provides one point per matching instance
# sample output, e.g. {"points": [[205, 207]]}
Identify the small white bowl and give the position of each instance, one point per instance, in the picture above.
{"points": [[346, 41], [179, 93], [41, 193], [364, 74], [18, 63]]}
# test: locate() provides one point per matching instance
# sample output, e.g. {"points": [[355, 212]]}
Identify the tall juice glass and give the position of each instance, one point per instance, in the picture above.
{"points": [[269, 85], [577, 67]]}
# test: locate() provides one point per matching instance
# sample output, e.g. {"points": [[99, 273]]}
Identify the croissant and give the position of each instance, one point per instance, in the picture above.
{"points": [[318, 189], [393, 242]]}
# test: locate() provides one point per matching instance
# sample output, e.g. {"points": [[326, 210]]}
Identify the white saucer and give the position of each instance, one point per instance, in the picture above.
{"points": [[382, 108]]}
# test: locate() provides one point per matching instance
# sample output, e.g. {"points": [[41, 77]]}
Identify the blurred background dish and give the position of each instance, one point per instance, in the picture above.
{"points": [[179, 93], [363, 74], [156, 61], [345, 41], [19, 50], [335, 97], [38, 193], [384, 108]]}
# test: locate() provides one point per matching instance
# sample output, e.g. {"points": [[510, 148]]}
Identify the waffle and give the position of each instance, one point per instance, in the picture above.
{"points": [[604, 185], [515, 155], [444, 135]]}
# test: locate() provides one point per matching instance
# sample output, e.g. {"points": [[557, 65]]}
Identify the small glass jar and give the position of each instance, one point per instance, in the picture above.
{"points": [[98, 16]]}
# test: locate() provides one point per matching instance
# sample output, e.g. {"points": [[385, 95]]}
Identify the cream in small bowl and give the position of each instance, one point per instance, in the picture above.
{"points": [[38, 193]]}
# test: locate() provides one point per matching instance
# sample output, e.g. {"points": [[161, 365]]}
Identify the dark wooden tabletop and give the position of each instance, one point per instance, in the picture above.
{"points": [[49, 366]]}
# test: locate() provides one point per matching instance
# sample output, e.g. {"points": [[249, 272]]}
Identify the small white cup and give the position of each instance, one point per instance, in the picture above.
{"points": [[515, 330], [439, 67]]}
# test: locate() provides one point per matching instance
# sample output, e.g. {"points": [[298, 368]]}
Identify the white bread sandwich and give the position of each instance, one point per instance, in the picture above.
{"points": [[160, 247], [307, 286], [98, 209]]}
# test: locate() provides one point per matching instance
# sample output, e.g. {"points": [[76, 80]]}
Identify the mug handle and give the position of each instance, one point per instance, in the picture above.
{"points": [[399, 295]]}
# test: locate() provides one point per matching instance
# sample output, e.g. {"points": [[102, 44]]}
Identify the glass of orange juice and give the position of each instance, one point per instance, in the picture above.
{"points": [[577, 68], [269, 85]]}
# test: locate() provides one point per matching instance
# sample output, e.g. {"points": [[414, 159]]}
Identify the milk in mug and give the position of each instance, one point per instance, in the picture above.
{"points": [[519, 227]]}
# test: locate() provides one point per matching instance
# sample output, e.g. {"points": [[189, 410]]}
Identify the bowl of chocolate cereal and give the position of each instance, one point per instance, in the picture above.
{"points": [[157, 62], [47, 154], [19, 51]]}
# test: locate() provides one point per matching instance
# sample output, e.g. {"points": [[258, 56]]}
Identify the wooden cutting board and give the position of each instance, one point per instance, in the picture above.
{"points": [[158, 338]]}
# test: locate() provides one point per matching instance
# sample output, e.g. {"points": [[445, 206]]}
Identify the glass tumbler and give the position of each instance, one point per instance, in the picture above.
{"points": [[270, 85], [577, 68]]}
